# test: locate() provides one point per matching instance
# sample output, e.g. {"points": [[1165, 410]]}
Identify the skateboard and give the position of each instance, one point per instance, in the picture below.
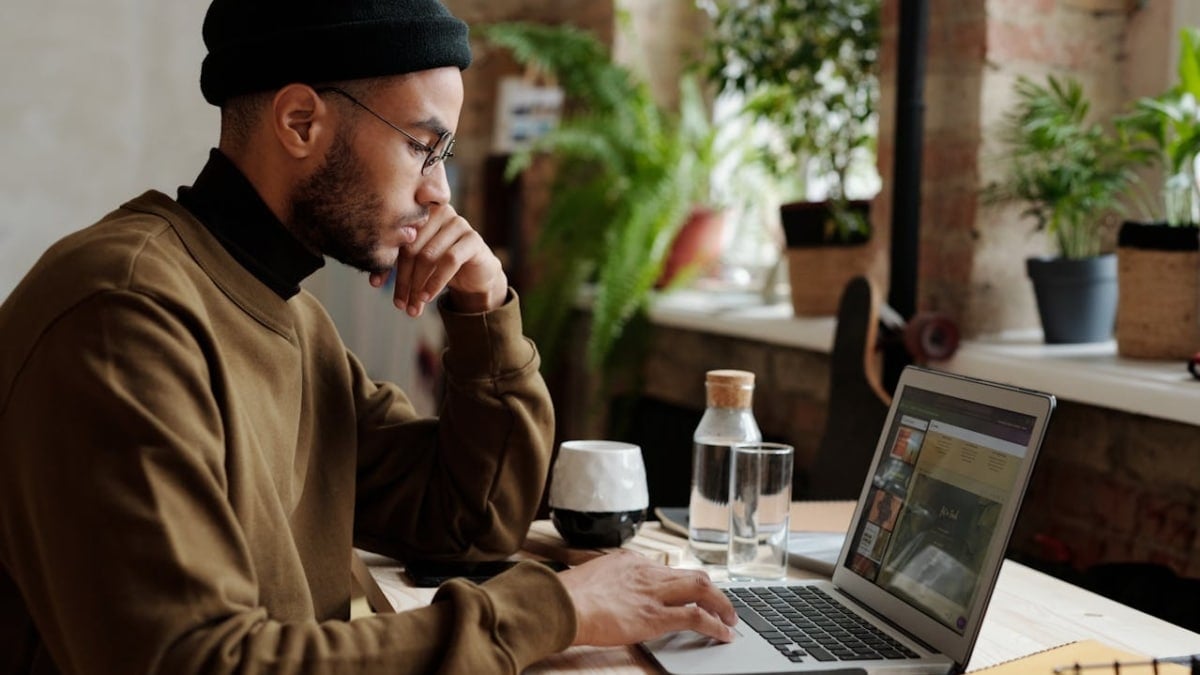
{"points": [[927, 336]]}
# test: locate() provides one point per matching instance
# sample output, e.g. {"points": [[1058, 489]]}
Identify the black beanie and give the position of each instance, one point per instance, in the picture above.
{"points": [[260, 45]]}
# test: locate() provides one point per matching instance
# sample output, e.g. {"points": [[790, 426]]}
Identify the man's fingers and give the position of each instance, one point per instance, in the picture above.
{"points": [[427, 264], [695, 587], [622, 598], [446, 252], [439, 260], [685, 586], [402, 290], [404, 294], [692, 617], [412, 271]]}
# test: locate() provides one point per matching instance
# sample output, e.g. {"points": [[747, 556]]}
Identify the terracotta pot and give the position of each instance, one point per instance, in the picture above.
{"points": [[696, 247]]}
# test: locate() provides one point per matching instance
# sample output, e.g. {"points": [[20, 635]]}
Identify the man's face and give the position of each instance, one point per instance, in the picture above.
{"points": [[369, 196]]}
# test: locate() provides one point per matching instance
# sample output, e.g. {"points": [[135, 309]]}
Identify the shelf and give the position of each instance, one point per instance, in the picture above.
{"points": [[743, 315], [1091, 373]]}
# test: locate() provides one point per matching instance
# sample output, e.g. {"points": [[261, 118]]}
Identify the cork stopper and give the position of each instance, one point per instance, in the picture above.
{"points": [[729, 388]]}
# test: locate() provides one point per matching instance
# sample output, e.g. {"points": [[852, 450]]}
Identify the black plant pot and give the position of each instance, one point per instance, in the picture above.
{"points": [[1158, 236], [811, 224], [1076, 299]]}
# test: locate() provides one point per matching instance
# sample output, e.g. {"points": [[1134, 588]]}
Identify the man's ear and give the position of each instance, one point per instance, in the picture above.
{"points": [[301, 120]]}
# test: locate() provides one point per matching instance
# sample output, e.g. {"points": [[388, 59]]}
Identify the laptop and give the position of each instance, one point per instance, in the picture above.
{"points": [[918, 566]]}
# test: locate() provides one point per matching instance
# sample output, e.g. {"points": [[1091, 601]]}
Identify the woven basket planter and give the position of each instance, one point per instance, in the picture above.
{"points": [[1158, 276], [819, 267]]}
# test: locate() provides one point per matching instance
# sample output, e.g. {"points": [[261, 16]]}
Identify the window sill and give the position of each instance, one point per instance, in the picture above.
{"points": [[1088, 373], [743, 315], [1091, 373]]}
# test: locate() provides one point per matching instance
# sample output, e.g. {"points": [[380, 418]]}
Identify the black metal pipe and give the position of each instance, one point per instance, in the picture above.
{"points": [[906, 171]]}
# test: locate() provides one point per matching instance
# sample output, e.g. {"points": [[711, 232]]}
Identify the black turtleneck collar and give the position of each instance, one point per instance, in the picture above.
{"points": [[228, 205]]}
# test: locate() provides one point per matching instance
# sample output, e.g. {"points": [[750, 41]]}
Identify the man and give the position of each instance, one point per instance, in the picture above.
{"points": [[187, 450]]}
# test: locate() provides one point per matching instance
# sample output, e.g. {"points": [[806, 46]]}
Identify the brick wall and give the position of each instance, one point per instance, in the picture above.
{"points": [[480, 81], [1115, 487], [950, 173], [658, 39], [971, 254], [1110, 486], [1033, 38]]}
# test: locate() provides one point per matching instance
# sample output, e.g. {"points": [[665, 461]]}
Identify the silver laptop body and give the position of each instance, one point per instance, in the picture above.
{"points": [[926, 541]]}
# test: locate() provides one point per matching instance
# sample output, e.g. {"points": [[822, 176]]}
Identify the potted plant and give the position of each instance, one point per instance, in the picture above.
{"points": [[696, 247], [1070, 174], [1157, 259], [628, 174], [807, 74]]}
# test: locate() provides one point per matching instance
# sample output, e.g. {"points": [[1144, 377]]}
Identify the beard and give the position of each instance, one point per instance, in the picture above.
{"points": [[334, 213]]}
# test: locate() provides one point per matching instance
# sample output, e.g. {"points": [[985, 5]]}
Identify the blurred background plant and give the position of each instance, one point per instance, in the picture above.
{"points": [[628, 172], [805, 71], [1069, 172], [1167, 127]]}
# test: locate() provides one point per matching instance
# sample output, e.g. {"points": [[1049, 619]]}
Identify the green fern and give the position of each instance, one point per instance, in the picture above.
{"points": [[628, 172], [577, 60]]}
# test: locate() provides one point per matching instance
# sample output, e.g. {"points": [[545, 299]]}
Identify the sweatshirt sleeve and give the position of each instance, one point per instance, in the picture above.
{"points": [[116, 527], [467, 629], [466, 484]]}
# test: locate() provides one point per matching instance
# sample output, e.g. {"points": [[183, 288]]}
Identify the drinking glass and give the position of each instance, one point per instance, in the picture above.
{"points": [[760, 499]]}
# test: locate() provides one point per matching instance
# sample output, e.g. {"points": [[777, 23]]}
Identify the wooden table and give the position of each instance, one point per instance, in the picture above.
{"points": [[1030, 611]]}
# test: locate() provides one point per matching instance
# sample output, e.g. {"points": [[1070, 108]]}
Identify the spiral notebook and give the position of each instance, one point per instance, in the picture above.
{"points": [[1085, 656]]}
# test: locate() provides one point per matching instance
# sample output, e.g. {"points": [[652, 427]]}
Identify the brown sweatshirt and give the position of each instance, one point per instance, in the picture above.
{"points": [[186, 460]]}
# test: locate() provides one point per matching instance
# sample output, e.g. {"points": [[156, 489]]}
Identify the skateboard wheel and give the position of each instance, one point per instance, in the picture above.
{"points": [[931, 337]]}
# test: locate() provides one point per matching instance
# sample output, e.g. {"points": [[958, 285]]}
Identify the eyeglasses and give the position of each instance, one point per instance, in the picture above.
{"points": [[441, 150]]}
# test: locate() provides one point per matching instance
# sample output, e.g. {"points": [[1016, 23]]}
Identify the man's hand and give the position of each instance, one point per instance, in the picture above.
{"points": [[622, 598], [447, 253]]}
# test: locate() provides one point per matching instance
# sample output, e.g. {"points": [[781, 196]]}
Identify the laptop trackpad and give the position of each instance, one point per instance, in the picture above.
{"points": [[690, 653]]}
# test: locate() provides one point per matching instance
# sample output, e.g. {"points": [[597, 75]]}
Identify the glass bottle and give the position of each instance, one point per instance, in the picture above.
{"points": [[727, 420]]}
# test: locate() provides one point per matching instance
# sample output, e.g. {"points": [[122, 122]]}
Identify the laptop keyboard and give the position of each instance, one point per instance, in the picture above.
{"points": [[805, 623]]}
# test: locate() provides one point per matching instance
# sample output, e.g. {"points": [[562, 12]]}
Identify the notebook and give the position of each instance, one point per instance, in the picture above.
{"points": [[921, 558]]}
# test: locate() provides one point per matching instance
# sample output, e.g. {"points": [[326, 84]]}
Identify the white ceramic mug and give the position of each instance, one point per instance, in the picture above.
{"points": [[598, 493]]}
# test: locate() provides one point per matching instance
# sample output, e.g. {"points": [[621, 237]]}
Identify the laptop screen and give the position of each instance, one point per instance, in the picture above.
{"points": [[935, 501]]}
